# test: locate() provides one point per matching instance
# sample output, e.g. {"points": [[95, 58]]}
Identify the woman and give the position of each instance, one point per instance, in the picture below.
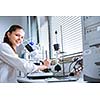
{"points": [[9, 60]]}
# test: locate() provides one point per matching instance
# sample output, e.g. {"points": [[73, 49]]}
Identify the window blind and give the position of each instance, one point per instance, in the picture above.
{"points": [[70, 29]]}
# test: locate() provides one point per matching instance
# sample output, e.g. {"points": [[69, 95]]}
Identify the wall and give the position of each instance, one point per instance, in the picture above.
{"points": [[7, 21]]}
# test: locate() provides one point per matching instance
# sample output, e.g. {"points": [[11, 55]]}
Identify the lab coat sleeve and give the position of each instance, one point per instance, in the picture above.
{"points": [[9, 57]]}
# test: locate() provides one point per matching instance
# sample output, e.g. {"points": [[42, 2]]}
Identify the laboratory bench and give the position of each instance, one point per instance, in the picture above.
{"points": [[50, 79]]}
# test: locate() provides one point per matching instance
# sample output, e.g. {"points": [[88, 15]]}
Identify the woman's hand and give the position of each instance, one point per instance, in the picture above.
{"points": [[45, 65], [47, 62]]}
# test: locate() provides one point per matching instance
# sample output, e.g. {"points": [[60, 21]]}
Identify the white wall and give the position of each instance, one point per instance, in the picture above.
{"points": [[7, 21]]}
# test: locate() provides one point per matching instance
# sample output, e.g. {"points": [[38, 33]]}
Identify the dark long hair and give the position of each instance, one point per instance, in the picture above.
{"points": [[11, 29]]}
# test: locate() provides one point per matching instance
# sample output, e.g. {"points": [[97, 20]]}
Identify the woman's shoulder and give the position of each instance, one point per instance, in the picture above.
{"points": [[5, 48], [4, 45]]}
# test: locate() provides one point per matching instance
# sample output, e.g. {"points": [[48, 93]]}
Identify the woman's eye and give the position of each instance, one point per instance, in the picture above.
{"points": [[22, 37], [17, 35]]}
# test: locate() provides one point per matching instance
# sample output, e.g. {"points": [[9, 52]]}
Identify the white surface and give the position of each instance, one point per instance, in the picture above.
{"points": [[27, 80], [35, 74]]}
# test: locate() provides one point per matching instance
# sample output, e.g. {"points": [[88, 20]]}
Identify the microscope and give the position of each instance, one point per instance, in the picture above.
{"points": [[34, 54]]}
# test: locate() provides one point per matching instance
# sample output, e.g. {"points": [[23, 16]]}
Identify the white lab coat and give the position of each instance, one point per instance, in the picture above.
{"points": [[10, 63]]}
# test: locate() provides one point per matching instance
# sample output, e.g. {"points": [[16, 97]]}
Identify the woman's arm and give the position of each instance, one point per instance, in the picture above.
{"points": [[9, 57]]}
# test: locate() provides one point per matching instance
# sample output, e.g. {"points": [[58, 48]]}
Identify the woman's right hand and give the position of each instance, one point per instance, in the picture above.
{"points": [[45, 65], [47, 62], [42, 67]]}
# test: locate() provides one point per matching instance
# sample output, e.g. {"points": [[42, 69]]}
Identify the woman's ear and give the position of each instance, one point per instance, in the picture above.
{"points": [[8, 34]]}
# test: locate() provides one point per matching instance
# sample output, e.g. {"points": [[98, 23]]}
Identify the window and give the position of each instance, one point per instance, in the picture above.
{"points": [[69, 33]]}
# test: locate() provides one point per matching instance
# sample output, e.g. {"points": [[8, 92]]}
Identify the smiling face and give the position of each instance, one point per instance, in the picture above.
{"points": [[16, 37]]}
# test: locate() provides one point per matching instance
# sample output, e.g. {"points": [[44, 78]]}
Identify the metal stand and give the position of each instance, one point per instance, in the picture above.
{"points": [[56, 48], [62, 50]]}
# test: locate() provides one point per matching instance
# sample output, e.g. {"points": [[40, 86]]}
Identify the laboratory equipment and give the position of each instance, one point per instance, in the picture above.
{"points": [[29, 47], [40, 75], [91, 48], [76, 66], [34, 53], [56, 48]]}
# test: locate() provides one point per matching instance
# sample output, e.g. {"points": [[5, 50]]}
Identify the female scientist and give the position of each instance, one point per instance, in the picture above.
{"points": [[9, 60]]}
